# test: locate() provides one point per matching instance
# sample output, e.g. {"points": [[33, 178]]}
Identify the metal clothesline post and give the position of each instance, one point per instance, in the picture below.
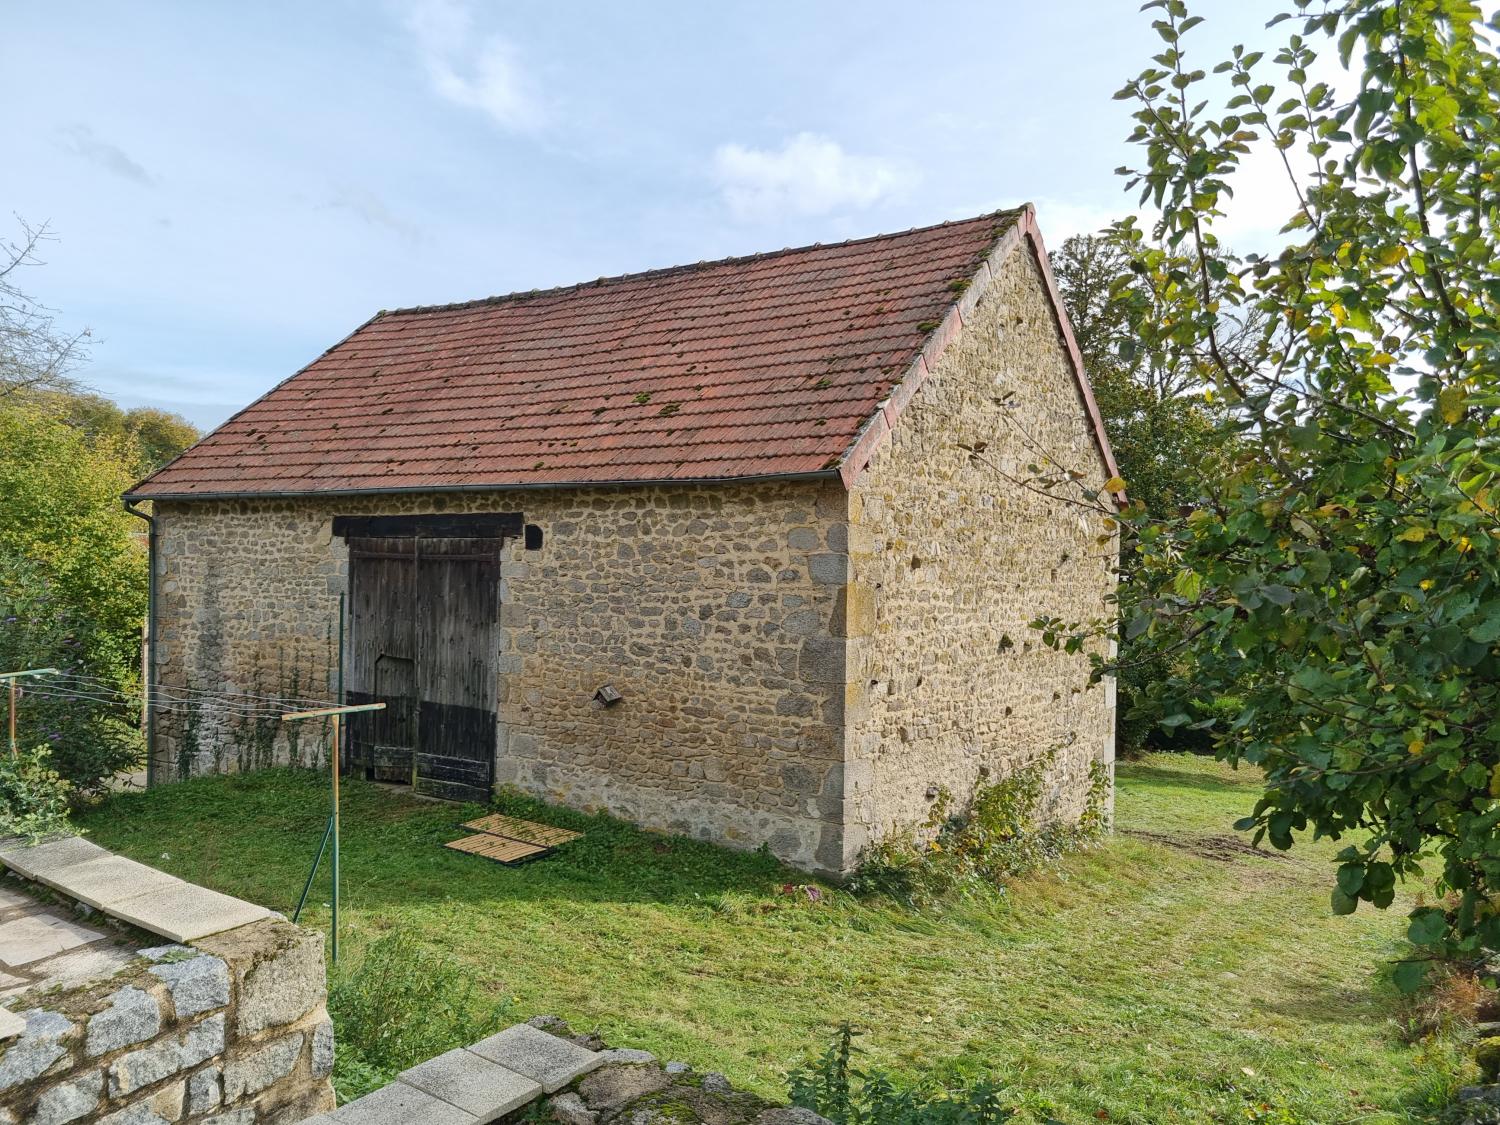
{"points": [[336, 714], [14, 679], [307, 886]]}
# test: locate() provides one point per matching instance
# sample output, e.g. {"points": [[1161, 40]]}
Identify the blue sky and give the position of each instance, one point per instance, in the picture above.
{"points": [[235, 187]]}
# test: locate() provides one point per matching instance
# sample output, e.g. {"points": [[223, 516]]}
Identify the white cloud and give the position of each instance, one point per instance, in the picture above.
{"points": [[1061, 219], [470, 68], [83, 141], [1264, 200], [368, 206], [808, 175]]}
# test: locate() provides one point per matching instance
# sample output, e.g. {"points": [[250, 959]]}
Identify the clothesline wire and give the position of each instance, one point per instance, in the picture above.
{"points": [[167, 698], [94, 682], [162, 702]]}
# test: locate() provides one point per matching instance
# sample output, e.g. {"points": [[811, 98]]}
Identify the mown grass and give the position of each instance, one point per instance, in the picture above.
{"points": [[1169, 975]]}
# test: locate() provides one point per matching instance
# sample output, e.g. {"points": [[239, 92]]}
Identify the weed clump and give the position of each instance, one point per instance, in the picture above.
{"points": [[401, 1005], [833, 1086], [1001, 835], [33, 796]]}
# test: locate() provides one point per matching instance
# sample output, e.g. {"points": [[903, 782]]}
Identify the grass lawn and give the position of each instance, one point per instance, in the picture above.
{"points": [[1170, 975]]}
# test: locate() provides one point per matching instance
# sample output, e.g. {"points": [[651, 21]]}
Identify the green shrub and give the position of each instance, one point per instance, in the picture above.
{"points": [[1001, 835], [72, 589], [833, 1086], [89, 715], [400, 1005], [33, 796]]}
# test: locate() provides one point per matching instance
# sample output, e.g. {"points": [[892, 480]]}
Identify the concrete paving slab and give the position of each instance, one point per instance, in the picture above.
{"points": [[33, 937], [186, 912], [400, 1104], [473, 1083], [543, 1058], [47, 858], [108, 879], [11, 1025], [10, 899]]}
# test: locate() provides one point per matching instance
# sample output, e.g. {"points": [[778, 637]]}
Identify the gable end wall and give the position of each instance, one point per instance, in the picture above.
{"points": [[951, 560]]}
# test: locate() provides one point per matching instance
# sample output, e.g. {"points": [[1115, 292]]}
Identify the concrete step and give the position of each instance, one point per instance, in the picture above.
{"points": [[141, 895], [472, 1085], [545, 1059]]}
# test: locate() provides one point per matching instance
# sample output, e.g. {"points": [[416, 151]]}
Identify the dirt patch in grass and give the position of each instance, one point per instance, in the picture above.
{"points": [[1222, 849]]}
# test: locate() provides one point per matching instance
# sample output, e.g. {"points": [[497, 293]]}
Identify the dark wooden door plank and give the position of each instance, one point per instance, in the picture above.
{"points": [[458, 609], [381, 662]]}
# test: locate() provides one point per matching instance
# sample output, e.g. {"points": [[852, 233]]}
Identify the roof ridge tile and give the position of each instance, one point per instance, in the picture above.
{"points": [[687, 267]]}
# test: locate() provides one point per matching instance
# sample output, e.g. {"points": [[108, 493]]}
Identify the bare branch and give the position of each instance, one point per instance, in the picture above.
{"points": [[35, 353]]}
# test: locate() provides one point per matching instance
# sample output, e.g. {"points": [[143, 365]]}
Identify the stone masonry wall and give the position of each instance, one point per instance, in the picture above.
{"points": [[716, 611], [948, 684], [230, 1030], [801, 666]]}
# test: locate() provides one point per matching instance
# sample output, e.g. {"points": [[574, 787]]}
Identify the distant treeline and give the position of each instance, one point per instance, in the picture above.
{"points": [[146, 438]]}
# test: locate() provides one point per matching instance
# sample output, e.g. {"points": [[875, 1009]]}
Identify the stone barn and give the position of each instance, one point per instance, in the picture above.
{"points": [[708, 547]]}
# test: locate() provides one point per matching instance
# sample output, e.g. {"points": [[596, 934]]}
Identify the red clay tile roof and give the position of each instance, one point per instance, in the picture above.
{"points": [[770, 365]]}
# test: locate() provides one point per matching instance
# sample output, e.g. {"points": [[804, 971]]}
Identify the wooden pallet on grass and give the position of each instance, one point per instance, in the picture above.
{"points": [[527, 831], [497, 848], [510, 840]]}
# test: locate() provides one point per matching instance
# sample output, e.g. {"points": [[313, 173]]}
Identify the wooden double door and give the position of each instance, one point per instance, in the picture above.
{"points": [[423, 619]]}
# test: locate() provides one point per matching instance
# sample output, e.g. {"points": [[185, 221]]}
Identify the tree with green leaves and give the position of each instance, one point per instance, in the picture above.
{"points": [[72, 589], [1166, 438], [1164, 433], [146, 436], [72, 561], [1344, 576]]}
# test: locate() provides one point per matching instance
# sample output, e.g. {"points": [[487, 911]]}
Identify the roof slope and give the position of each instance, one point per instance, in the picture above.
{"points": [[771, 365]]}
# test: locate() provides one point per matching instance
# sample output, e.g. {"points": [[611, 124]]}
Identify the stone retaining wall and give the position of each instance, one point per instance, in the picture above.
{"points": [[224, 1029]]}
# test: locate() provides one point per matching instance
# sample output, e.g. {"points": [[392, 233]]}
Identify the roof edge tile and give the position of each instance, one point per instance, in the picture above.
{"points": [[882, 422], [136, 495]]}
